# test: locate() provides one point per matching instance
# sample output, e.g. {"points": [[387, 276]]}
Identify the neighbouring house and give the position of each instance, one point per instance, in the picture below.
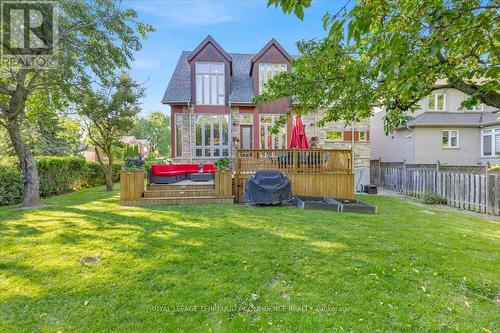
{"points": [[90, 155], [210, 95], [441, 131]]}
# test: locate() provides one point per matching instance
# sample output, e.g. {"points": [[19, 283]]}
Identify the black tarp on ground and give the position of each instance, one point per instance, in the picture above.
{"points": [[268, 187]]}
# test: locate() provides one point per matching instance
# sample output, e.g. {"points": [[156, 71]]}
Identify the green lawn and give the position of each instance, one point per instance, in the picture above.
{"points": [[235, 268]]}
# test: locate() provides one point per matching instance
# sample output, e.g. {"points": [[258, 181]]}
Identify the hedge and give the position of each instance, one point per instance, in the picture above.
{"points": [[57, 175]]}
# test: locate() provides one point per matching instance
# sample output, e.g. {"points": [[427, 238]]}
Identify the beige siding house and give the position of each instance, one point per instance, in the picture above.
{"points": [[440, 131]]}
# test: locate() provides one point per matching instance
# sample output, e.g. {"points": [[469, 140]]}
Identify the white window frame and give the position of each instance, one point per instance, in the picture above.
{"points": [[275, 69], [221, 146], [359, 136], [449, 139], [178, 123], [490, 132], [435, 96], [282, 142], [342, 134], [200, 89]]}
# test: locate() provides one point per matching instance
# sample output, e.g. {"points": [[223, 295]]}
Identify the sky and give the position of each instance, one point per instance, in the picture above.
{"points": [[239, 26]]}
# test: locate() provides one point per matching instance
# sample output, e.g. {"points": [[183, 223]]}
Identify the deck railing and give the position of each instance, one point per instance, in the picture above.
{"points": [[308, 161]]}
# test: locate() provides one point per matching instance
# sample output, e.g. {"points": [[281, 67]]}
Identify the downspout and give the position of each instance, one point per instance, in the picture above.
{"points": [[230, 130], [190, 133], [352, 150], [412, 144]]}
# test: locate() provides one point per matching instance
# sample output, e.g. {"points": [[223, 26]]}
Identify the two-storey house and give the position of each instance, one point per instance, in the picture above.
{"points": [[441, 130], [211, 99]]}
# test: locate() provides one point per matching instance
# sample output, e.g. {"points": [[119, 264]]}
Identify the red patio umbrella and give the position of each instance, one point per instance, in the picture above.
{"points": [[298, 138]]}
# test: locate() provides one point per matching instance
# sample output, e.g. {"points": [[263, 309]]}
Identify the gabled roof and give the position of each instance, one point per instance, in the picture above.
{"points": [[272, 42], [206, 41], [179, 88]]}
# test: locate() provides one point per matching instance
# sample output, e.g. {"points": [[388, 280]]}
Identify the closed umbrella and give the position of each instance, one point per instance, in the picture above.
{"points": [[298, 138]]}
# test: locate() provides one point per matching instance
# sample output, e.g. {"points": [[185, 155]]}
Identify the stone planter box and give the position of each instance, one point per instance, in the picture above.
{"points": [[131, 185]]}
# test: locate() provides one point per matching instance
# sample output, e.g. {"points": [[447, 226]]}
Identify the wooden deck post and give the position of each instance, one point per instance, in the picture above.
{"points": [[223, 184], [295, 160]]}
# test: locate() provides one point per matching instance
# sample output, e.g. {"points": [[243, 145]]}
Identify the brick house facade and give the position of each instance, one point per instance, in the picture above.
{"points": [[210, 95]]}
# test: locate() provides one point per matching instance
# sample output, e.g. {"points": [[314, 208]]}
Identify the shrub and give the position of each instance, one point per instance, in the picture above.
{"points": [[222, 164], [11, 184], [131, 151], [431, 198], [136, 164], [57, 175]]}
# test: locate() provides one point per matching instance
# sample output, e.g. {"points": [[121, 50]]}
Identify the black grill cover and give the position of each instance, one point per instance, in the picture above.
{"points": [[267, 187]]}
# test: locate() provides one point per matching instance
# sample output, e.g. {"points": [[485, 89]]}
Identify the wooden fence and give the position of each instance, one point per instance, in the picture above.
{"points": [[469, 187]]}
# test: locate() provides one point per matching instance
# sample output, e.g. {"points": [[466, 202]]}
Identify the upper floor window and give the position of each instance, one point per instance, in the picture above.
{"points": [[450, 139], [210, 83], [267, 72], [437, 102], [490, 142]]}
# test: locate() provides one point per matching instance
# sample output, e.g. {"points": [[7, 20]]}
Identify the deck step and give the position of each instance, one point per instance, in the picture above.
{"points": [[182, 200], [178, 193], [170, 187]]}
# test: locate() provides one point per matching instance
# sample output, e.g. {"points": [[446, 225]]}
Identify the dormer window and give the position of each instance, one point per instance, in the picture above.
{"points": [[210, 83], [267, 72], [437, 102]]}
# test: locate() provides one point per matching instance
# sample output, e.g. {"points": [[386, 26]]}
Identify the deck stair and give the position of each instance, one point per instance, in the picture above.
{"points": [[185, 192]]}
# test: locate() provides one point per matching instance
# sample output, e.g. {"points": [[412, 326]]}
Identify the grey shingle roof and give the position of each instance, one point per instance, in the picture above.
{"points": [[241, 84], [179, 87], [475, 119]]}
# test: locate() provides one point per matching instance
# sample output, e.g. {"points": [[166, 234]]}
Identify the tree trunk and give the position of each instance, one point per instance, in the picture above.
{"points": [[27, 165], [108, 169], [109, 174]]}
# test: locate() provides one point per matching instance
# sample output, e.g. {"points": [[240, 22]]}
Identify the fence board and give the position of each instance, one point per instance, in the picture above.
{"points": [[469, 187]]}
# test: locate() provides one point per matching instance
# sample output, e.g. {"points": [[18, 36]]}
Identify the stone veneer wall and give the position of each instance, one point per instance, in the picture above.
{"points": [[361, 149]]}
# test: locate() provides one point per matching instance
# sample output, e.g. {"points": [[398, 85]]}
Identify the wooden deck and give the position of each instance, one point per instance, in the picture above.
{"points": [[313, 172]]}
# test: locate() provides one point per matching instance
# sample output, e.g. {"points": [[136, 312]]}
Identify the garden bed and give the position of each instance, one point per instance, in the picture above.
{"points": [[334, 204]]}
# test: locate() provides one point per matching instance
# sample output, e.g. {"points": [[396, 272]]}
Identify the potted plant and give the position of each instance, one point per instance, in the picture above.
{"points": [[132, 179], [236, 141]]}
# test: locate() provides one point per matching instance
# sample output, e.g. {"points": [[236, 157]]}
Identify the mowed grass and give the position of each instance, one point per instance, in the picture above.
{"points": [[236, 268]]}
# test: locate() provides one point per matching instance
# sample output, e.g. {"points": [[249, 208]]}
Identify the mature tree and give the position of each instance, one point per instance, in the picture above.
{"points": [[95, 38], [397, 52], [156, 129], [108, 114]]}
